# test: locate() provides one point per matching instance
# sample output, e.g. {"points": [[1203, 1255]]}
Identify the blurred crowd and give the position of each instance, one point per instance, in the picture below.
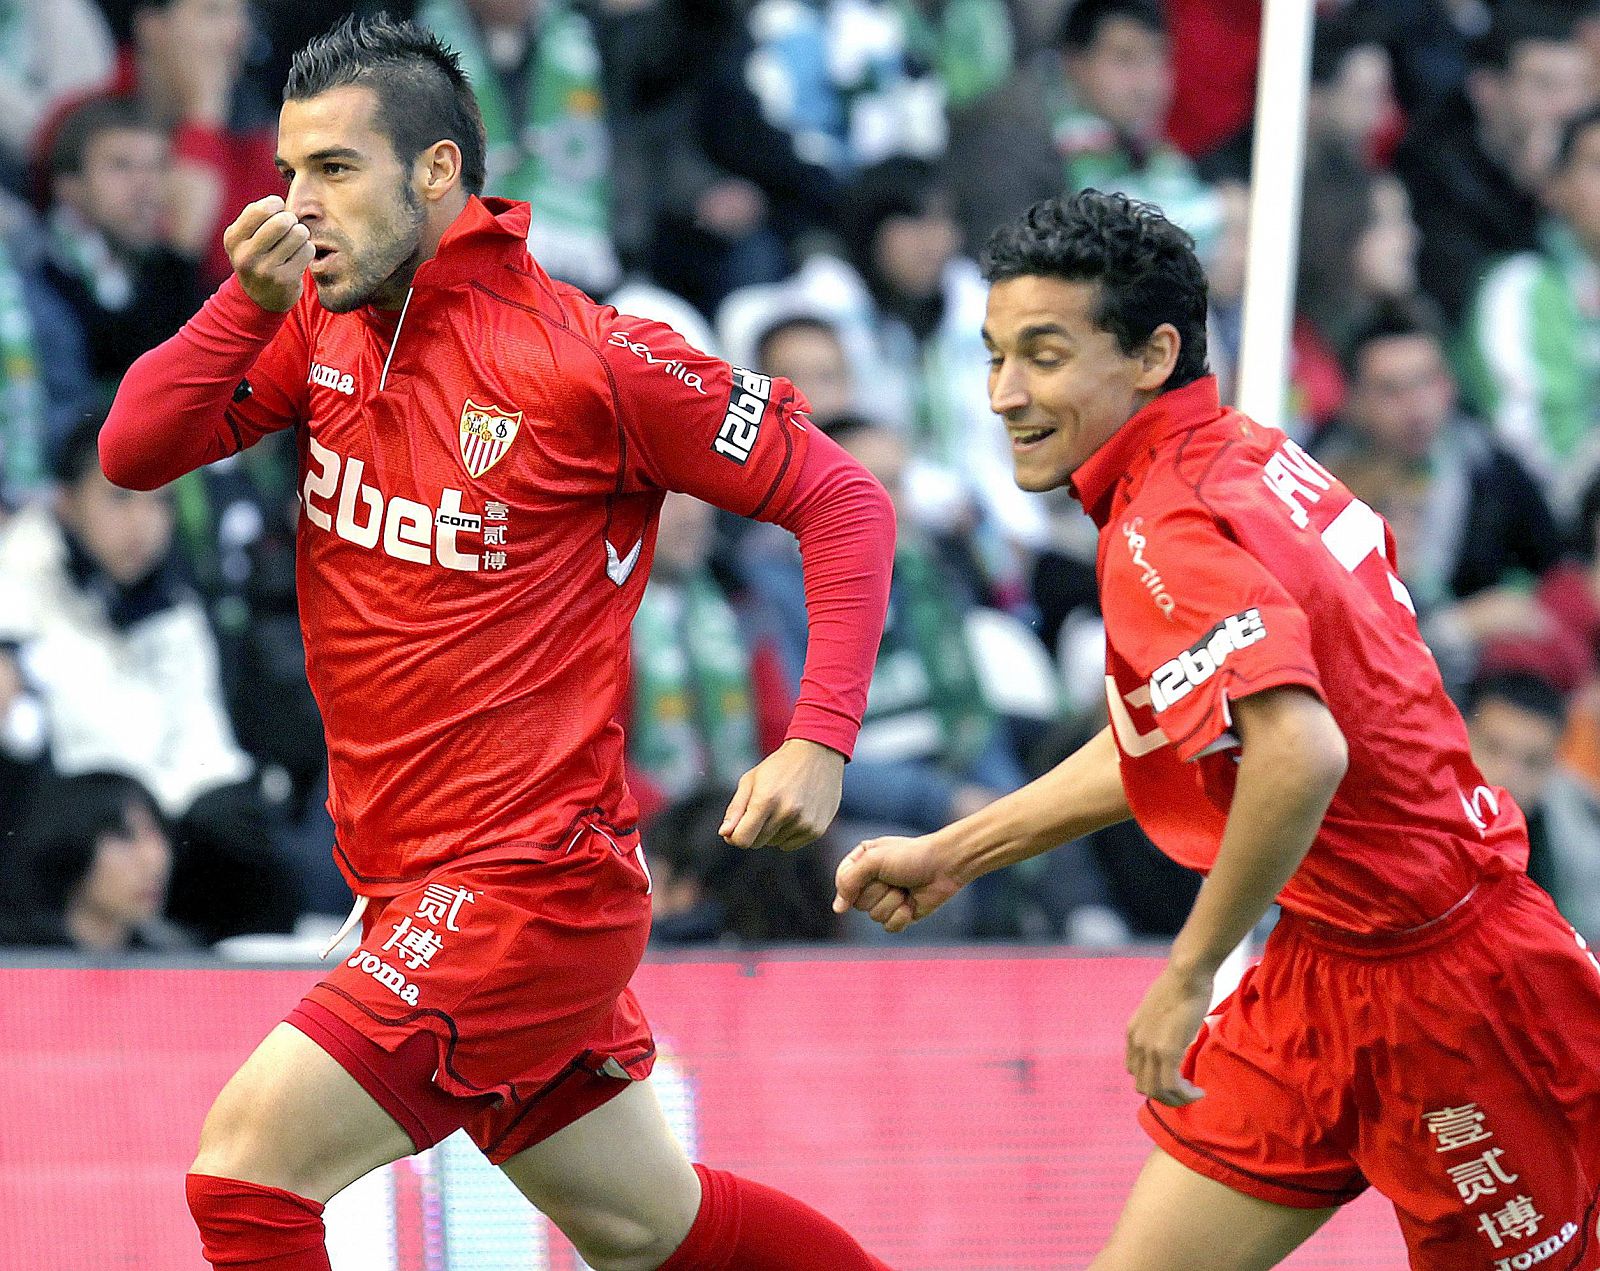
{"points": [[800, 186]]}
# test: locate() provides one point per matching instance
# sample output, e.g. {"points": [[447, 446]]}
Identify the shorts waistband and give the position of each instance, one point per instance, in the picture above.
{"points": [[1483, 895]]}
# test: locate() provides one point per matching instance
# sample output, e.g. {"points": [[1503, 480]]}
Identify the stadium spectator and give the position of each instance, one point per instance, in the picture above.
{"points": [[185, 67], [124, 664], [1088, 113], [808, 351], [50, 52], [927, 312], [107, 258], [705, 891], [1476, 162], [932, 744], [1516, 720], [535, 66], [1531, 356], [1471, 529], [697, 716], [1358, 249], [91, 870], [719, 198], [844, 79], [1350, 106]]}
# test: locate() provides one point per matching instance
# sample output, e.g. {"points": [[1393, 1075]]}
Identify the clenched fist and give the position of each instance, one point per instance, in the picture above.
{"points": [[270, 251]]}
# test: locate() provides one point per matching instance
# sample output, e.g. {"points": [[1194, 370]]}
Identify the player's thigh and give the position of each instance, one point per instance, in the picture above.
{"points": [[1178, 1220], [616, 1176], [292, 1117]]}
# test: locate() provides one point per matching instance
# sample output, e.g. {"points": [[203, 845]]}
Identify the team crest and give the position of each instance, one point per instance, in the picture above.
{"points": [[486, 434]]}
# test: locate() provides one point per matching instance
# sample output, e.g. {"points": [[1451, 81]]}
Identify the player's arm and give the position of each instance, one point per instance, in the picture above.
{"points": [[232, 374], [845, 526], [1292, 758], [741, 441], [899, 880]]}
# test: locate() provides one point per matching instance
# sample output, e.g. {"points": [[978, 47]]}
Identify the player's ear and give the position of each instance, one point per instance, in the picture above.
{"points": [[438, 169], [1158, 357]]}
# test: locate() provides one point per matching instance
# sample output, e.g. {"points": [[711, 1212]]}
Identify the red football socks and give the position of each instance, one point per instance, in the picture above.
{"points": [[247, 1227], [744, 1226]]}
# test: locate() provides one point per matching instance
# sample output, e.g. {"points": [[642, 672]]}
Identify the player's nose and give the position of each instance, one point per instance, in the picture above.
{"points": [[1008, 390]]}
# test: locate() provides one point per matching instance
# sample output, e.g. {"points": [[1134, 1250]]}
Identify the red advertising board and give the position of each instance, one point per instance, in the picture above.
{"points": [[959, 1113]]}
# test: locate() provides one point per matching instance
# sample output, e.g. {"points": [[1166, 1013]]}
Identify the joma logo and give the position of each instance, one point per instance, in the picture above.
{"points": [[331, 377], [392, 978]]}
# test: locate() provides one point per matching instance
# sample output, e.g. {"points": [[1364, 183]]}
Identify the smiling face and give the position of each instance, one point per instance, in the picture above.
{"points": [[1059, 381], [364, 207]]}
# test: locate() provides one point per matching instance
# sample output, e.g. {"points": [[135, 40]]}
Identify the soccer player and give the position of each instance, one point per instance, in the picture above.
{"points": [[483, 453], [1422, 1019]]}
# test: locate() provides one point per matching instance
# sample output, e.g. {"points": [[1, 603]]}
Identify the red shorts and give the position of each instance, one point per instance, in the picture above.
{"points": [[1456, 1068], [495, 996]]}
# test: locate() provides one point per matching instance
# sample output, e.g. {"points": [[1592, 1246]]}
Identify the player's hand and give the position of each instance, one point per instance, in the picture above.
{"points": [[1161, 1032], [787, 800], [270, 251], [894, 880]]}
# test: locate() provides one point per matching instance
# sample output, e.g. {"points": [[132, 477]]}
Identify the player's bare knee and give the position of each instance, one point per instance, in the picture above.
{"points": [[617, 1242]]}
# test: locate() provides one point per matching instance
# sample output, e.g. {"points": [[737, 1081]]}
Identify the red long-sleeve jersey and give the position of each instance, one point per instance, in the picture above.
{"points": [[479, 481]]}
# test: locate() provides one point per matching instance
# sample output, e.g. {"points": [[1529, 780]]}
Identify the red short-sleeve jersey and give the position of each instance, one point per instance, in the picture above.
{"points": [[480, 477], [1230, 561]]}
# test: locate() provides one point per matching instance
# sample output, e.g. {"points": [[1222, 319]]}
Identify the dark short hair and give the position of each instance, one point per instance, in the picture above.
{"points": [[898, 187], [1392, 318], [850, 426], [67, 819], [423, 94], [783, 326], [1514, 25], [1145, 267], [1081, 26], [83, 123], [77, 453], [1526, 690]]}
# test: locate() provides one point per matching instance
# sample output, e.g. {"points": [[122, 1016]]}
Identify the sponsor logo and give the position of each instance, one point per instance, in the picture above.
{"points": [[1174, 680], [334, 498], [672, 366], [618, 568], [746, 405], [1544, 1249], [331, 377], [1148, 574], [486, 434], [392, 978], [1481, 808]]}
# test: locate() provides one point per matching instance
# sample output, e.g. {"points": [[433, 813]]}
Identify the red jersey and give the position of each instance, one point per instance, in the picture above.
{"points": [[479, 481], [1230, 561]]}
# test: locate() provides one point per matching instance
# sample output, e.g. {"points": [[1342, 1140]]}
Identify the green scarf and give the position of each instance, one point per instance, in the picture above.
{"points": [[1095, 156], [924, 663], [550, 147], [971, 42], [693, 717], [22, 457], [1559, 323]]}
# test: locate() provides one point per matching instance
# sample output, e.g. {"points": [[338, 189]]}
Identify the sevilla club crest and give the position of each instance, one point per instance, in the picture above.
{"points": [[486, 434]]}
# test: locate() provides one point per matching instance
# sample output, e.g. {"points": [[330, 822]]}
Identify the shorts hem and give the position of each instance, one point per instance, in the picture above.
{"points": [[329, 1031], [1237, 1178]]}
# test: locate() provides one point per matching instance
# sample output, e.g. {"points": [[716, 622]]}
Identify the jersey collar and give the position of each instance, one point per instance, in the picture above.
{"points": [[1131, 447], [489, 231]]}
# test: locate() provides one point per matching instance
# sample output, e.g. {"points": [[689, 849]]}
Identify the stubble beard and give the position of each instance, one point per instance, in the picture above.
{"points": [[383, 270]]}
